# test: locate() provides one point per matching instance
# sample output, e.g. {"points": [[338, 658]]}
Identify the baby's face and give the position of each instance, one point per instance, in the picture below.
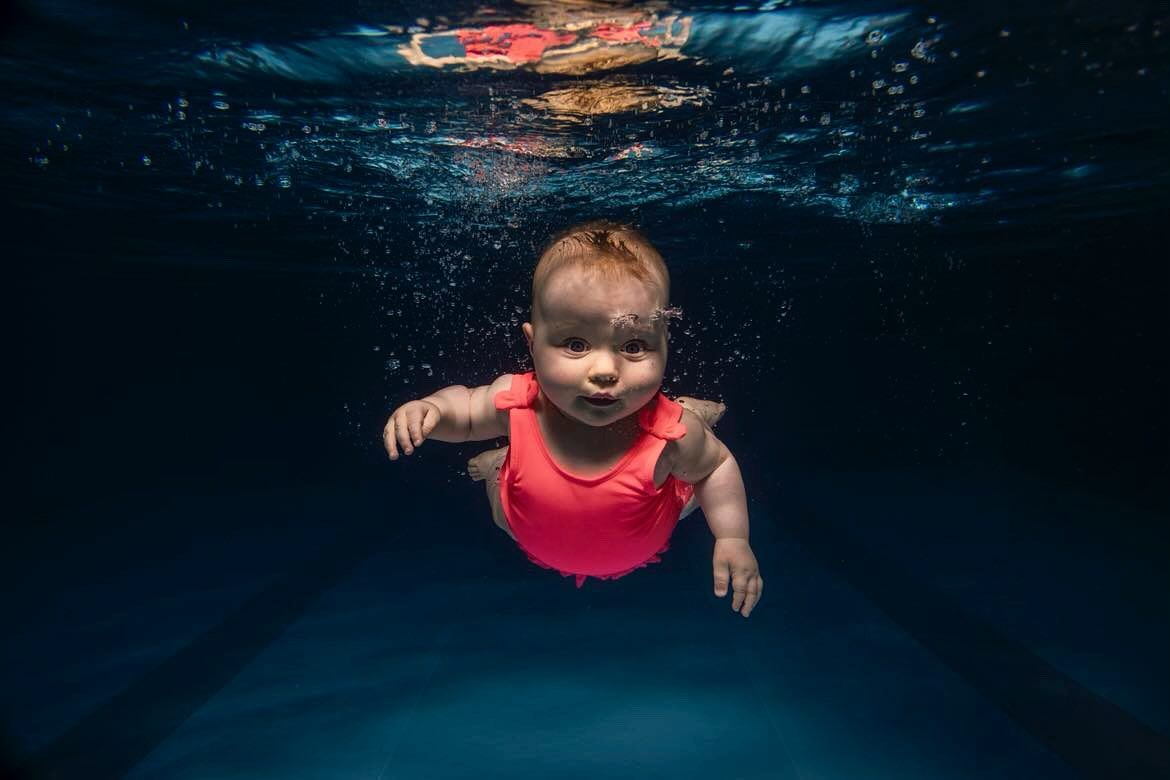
{"points": [[584, 343]]}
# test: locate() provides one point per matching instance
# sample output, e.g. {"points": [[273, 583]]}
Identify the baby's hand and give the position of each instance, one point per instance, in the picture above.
{"points": [[409, 426], [734, 557]]}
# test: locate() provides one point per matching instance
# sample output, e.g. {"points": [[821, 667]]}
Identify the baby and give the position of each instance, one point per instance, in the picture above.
{"points": [[600, 464]]}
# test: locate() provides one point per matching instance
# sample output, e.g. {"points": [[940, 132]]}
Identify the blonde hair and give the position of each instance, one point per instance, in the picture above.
{"points": [[613, 250]]}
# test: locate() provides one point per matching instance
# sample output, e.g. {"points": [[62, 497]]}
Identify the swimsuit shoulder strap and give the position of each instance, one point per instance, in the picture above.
{"points": [[661, 418], [521, 395]]}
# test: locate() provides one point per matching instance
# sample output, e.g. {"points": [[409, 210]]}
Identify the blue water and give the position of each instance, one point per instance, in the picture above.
{"points": [[919, 255]]}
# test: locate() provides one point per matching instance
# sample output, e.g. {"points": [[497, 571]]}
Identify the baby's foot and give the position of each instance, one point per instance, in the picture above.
{"points": [[710, 411], [486, 464]]}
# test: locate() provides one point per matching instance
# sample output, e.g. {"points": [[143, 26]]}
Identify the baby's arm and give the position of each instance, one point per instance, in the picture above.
{"points": [[453, 414], [701, 459], [704, 461]]}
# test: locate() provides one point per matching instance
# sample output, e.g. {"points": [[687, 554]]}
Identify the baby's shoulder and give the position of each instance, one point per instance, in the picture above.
{"points": [[502, 383], [488, 420], [511, 391], [696, 429], [695, 454]]}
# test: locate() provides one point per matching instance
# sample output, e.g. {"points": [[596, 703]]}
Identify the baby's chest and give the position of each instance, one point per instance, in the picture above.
{"points": [[592, 467]]}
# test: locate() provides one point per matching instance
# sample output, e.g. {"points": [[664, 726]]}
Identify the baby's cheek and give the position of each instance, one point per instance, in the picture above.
{"points": [[655, 370], [547, 364], [557, 372], [647, 386]]}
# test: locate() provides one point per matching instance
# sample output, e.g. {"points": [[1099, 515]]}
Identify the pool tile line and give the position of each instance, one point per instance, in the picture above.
{"points": [[112, 739]]}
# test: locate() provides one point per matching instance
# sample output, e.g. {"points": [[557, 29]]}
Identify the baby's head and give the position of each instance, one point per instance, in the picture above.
{"points": [[599, 321]]}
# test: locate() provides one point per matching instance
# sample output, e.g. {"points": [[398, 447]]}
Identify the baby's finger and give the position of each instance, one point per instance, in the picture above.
{"points": [[738, 591], [388, 439], [415, 428], [430, 420], [754, 589], [404, 435], [720, 579]]}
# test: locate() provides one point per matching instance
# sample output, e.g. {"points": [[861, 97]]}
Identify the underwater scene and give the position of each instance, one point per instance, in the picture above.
{"points": [[915, 252]]}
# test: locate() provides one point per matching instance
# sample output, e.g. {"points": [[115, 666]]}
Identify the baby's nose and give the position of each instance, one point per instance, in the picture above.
{"points": [[603, 367], [603, 372]]}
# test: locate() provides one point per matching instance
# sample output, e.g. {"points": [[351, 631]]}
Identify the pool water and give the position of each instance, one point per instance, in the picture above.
{"points": [[917, 252]]}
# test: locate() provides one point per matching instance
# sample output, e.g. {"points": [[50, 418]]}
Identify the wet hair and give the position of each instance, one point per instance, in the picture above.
{"points": [[612, 250]]}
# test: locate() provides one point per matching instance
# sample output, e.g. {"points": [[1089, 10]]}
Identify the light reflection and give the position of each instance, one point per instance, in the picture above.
{"points": [[572, 40], [580, 101]]}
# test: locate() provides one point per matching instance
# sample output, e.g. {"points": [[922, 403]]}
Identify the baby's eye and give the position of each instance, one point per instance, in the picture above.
{"points": [[572, 343], [638, 347]]}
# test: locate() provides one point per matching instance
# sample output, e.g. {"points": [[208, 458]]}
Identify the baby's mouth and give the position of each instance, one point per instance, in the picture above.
{"points": [[599, 401]]}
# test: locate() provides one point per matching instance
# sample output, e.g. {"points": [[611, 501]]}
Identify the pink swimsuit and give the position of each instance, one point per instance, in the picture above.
{"points": [[605, 526]]}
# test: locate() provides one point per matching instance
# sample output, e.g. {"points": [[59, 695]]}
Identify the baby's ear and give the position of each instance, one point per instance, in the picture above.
{"points": [[526, 328]]}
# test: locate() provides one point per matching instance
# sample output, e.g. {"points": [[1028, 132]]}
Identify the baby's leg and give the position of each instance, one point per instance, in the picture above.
{"points": [[710, 412], [486, 466]]}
